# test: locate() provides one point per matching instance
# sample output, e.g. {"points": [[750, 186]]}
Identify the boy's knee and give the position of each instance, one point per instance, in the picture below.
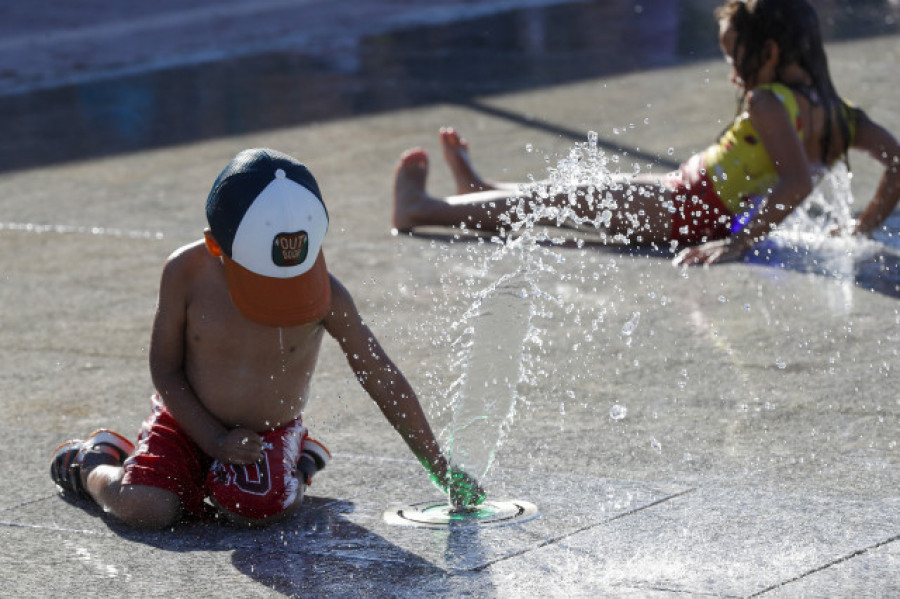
{"points": [[147, 507]]}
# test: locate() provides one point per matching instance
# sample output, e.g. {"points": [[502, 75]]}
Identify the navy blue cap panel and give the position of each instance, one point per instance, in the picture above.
{"points": [[239, 184]]}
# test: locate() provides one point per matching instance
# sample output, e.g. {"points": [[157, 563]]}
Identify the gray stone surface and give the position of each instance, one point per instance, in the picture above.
{"points": [[758, 453]]}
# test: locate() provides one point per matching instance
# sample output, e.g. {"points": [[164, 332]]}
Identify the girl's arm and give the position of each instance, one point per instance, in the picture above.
{"points": [[776, 132], [883, 147]]}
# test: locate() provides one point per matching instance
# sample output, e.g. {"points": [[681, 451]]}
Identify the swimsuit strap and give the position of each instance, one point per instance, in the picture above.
{"points": [[806, 90]]}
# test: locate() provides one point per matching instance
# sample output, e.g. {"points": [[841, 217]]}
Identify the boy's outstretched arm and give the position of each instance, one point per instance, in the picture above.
{"points": [[393, 394]]}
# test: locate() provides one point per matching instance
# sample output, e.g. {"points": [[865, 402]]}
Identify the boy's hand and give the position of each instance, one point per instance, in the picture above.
{"points": [[239, 446], [464, 491]]}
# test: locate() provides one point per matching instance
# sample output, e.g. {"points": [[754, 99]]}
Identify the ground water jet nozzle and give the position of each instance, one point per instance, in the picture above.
{"points": [[438, 514], [465, 506]]}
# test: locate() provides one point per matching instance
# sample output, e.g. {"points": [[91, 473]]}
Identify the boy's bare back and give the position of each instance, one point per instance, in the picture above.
{"points": [[245, 374]]}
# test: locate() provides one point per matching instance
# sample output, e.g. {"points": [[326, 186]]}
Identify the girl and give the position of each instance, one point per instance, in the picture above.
{"points": [[790, 125]]}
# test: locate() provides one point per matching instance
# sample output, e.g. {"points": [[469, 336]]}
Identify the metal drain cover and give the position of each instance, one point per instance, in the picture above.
{"points": [[435, 514]]}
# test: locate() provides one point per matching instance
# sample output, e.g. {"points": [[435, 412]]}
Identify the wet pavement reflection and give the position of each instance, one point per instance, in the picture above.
{"points": [[455, 62]]}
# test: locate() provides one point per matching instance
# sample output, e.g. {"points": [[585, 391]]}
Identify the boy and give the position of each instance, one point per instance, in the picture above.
{"points": [[235, 339]]}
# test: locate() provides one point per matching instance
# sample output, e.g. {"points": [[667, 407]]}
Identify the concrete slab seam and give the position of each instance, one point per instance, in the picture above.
{"points": [[83, 531], [834, 562], [83, 230], [558, 538]]}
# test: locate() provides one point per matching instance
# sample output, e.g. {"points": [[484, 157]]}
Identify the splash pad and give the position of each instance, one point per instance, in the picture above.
{"points": [[526, 284]]}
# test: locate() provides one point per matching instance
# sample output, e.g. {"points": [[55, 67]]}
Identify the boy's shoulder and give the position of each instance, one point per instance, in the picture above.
{"points": [[189, 249], [191, 253], [340, 296], [343, 308], [190, 261]]}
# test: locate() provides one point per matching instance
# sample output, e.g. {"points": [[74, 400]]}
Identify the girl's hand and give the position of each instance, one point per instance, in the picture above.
{"points": [[239, 446], [852, 228], [711, 252]]}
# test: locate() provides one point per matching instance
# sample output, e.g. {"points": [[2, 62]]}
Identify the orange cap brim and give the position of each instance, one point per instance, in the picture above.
{"points": [[280, 302]]}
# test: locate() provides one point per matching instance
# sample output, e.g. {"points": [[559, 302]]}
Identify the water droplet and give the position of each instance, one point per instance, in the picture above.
{"points": [[618, 412], [629, 327]]}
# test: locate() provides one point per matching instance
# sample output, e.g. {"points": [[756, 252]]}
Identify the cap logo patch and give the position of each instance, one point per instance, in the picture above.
{"points": [[290, 249]]}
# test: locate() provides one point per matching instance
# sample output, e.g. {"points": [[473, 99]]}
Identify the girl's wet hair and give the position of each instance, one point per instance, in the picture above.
{"points": [[794, 26]]}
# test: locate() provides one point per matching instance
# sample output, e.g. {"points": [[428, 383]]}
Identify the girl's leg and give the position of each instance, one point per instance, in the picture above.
{"points": [[137, 505], [641, 210], [414, 207], [456, 155], [637, 206]]}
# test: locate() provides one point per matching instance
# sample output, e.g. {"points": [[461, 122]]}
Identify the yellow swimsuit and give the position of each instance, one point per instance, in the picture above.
{"points": [[738, 163], [724, 183]]}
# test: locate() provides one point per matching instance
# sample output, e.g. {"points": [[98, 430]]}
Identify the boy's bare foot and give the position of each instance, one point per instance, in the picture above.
{"points": [[456, 153], [409, 189]]}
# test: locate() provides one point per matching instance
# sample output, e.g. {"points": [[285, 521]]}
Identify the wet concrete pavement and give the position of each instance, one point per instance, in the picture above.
{"points": [[726, 432]]}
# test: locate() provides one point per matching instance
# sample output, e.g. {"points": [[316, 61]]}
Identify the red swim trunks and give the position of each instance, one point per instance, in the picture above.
{"points": [[698, 215], [167, 458], [268, 487]]}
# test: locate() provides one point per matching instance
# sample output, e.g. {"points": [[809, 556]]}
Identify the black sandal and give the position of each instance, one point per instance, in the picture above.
{"points": [[101, 447], [313, 458]]}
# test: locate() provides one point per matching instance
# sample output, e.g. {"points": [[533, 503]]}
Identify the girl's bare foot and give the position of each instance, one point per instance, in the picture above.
{"points": [[456, 153], [409, 189]]}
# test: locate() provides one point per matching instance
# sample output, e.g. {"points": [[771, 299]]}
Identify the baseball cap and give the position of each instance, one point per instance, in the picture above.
{"points": [[265, 212]]}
